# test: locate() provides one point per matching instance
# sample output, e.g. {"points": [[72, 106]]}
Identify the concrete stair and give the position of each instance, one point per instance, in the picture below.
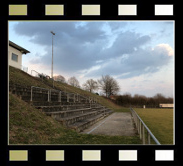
{"points": [[63, 107], [72, 110], [81, 125]]}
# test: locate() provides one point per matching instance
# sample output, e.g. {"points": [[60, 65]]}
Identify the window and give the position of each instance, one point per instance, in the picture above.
{"points": [[14, 57]]}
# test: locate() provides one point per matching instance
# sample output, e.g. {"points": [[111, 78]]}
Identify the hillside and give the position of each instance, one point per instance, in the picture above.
{"points": [[28, 125], [17, 76]]}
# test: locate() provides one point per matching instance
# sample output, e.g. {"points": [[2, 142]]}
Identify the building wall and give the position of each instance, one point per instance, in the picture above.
{"points": [[12, 62], [166, 105]]}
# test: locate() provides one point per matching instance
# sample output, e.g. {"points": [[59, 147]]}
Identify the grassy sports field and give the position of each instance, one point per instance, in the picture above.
{"points": [[160, 122]]}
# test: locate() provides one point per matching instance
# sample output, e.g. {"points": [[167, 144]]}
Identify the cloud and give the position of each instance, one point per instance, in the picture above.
{"points": [[95, 48], [125, 43], [39, 32], [164, 49], [140, 61]]}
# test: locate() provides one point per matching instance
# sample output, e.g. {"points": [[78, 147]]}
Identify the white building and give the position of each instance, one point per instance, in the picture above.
{"points": [[15, 53], [166, 105]]}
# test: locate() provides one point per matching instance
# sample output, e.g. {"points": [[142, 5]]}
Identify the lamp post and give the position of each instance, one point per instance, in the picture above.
{"points": [[52, 58]]}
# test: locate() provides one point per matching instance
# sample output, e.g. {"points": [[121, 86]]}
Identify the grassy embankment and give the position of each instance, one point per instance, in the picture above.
{"points": [[17, 76], [159, 121], [28, 125]]}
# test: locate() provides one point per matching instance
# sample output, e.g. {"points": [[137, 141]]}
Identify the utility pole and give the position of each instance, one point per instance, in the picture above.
{"points": [[52, 58]]}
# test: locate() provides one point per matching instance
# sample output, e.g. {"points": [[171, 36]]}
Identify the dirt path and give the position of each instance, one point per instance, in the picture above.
{"points": [[117, 124]]}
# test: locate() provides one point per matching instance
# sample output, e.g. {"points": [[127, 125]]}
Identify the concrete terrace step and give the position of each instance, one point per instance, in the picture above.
{"points": [[43, 94], [44, 103], [40, 97], [38, 94], [53, 103], [72, 119], [72, 110], [57, 108], [61, 108], [108, 111], [81, 125], [69, 105], [13, 87], [62, 114]]}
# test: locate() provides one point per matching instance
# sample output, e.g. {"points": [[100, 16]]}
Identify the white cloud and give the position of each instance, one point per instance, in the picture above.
{"points": [[165, 49]]}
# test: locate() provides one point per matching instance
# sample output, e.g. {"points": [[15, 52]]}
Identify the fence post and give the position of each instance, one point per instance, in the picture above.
{"points": [[31, 93], [59, 96], [140, 130], [90, 102], [48, 96], [74, 98], [67, 97], [136, 120], [138, 125], [142, 127], [149, 138], [143, 134]]}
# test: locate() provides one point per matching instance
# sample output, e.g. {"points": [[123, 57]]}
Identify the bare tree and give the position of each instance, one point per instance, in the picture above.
{"points": [[90, 85], [74, 82], [59, 78], [108, 85], [159, 98]]}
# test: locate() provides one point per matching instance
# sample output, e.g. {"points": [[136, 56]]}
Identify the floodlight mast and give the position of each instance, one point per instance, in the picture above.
{"points": [[52, 58]]}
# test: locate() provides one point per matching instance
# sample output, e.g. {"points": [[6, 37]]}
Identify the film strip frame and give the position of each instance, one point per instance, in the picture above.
{"points": [[96, 9], [30, 155]]}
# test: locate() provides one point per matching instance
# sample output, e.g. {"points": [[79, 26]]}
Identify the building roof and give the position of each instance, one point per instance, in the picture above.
{"points": [[21, 49]]}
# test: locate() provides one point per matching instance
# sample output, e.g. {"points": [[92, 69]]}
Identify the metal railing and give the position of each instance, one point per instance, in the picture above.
{"points": [[34, 87], [57, 94], [25, 69], [40, 75], [141, 127]]}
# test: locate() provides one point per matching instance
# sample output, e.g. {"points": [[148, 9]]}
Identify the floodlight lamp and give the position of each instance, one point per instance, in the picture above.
{"points": [[52, 32]]}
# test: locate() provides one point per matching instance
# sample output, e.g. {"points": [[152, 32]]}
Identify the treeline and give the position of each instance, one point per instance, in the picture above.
{"points": [[107, 84], [140, 100]]}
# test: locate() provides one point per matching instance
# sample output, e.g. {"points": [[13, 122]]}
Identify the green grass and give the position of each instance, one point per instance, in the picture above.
{"points": [[123, 109], [17, 76], [28, 125], [159, 121]]}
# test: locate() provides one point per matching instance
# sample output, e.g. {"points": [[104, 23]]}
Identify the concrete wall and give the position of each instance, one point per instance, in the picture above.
{"points": [[12, 62]]}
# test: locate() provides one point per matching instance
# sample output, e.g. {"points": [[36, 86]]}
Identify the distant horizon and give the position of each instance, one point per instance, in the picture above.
{"points": [[138, 54]]}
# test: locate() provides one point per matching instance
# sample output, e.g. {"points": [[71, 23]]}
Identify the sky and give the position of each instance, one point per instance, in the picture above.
{"points": [[138, 54]]}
